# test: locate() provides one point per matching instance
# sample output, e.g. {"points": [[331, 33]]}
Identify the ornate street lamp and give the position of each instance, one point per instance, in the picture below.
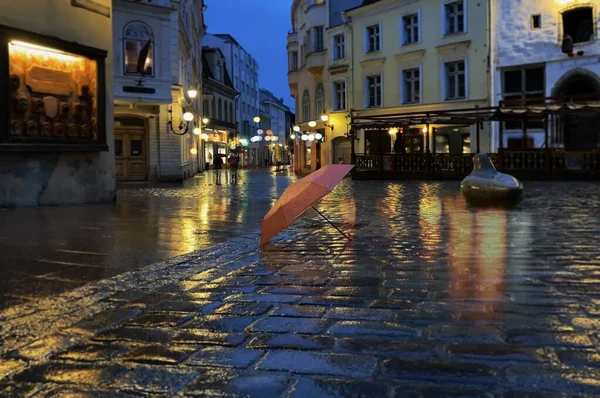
{"points": [[184, 123]]}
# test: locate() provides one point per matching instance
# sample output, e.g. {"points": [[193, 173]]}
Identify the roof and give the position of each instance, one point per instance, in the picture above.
{"points": [[364, 4], [207, 71]]}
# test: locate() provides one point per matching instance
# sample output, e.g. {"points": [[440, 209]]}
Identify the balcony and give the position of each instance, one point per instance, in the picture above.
{"points": [[292, 39], [293, 78], [315, 62]]}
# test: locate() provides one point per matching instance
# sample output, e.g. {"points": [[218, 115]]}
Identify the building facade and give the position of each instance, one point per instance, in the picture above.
{"points": [[277, 110], [218, 98], [376, 57], [309, 79], [57, 133], [401, 66], [153, 140], [531, 61], [243, 70]]}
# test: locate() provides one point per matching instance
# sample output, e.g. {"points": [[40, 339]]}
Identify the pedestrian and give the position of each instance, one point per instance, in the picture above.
{"points": [[218, 165], [233, 162], [340, 161]]}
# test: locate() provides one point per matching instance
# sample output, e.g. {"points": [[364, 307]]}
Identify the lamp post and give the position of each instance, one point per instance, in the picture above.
{"points": [[203, 137]]}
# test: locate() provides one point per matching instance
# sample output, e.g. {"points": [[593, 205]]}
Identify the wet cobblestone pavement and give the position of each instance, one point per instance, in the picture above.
{"points": [[46, 251], [430, 299]]}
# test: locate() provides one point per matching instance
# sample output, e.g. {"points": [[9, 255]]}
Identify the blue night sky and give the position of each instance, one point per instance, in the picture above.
{"points": [[261, 27]]}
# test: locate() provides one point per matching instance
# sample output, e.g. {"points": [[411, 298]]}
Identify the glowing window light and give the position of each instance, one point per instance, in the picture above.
{"points": [[34, 49]]}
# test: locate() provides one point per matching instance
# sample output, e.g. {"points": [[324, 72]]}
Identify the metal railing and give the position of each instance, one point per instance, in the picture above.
{"points": [[544, 163]]}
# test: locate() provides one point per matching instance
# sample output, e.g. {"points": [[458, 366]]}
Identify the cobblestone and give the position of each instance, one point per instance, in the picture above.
{"points": [[157, 381], [430, 299], [288, 325], [226, 357], [320, 364], [291, 341], [331, 388], [228, 383]]}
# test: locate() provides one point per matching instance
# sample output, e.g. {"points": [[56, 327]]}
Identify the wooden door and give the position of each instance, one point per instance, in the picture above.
{"points": [[131, 154], [120, 158]]}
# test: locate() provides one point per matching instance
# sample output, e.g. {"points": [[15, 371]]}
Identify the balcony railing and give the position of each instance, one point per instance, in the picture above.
{"points": [[541, 163]]}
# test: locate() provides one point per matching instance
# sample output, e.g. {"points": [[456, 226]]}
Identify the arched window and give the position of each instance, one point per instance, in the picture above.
{"points": [[220, 116], [218, 72], [320, 100], [137, 37], [231, 115], [306, 106], [225, 117]]}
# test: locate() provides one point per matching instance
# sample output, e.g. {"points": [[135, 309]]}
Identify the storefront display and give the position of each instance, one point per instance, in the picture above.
{"points": [[54, 95]]}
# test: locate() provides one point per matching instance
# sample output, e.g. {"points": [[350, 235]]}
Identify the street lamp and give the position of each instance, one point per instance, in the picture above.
{"points": [[184, 123], [312, 124], [192, 93], [256, 119], [296, 128], [325, 119]]}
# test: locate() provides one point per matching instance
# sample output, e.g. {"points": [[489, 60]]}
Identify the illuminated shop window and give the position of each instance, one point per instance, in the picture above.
{"points": [[54, 94]]}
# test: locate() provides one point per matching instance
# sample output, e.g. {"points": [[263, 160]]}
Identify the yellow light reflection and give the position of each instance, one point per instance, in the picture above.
{"points": [[35, 50]]}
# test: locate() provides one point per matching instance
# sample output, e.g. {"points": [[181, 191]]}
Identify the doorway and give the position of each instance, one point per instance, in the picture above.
{"points": [[579, 132], [131, 149], [341, 150]]}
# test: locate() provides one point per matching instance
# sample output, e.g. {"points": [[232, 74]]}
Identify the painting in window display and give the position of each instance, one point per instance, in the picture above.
{"points": [[53, 94]]}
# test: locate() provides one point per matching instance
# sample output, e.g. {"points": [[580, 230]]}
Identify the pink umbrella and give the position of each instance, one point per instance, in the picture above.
{"points": [[301, 196]]}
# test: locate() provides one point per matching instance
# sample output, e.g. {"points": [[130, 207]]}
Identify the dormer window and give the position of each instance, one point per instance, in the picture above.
{"points": [[137, 38], [579, 24], [218, 71]]}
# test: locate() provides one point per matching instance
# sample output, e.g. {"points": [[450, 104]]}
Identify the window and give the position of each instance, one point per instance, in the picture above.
{"points": [[523, 84], [339, 47], [374, 91], [454, 17], [137, 39], [579, 24], [320, 100], [218, 72], [44, 80], [410, 29], [205, 107], [231, 115], [373, 38], [412, 86], [220, 116], [293, 61], [455, 80], [237, 83], [339, 95], [214, 108], [225, 116], [536, 21], [306, 106], [318, 39]]}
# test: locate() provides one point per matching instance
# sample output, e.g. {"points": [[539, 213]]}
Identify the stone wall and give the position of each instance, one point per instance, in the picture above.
{"points": [[60, 178]]}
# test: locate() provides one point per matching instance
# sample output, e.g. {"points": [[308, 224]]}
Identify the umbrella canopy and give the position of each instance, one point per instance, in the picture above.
{"points": [[299, 197]]}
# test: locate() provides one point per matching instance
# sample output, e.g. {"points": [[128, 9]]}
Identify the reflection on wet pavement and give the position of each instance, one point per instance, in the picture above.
{"points": [[430, 299], [46, 251]]}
